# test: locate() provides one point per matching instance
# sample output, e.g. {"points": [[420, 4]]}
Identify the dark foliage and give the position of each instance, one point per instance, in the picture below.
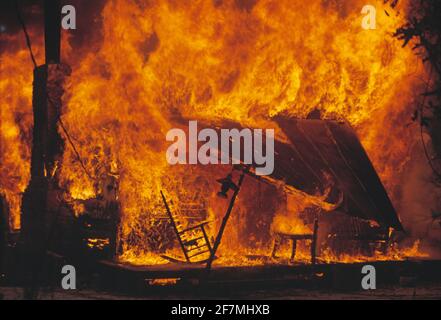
{"points": [[423, 31]]}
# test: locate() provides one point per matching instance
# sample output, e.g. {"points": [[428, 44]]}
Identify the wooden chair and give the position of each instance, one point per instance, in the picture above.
{"points": [[193, 240], [281, 237], [355, 235]]}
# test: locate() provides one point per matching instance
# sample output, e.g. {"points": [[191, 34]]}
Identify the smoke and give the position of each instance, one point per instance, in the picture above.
{"points": [[420, 202]]}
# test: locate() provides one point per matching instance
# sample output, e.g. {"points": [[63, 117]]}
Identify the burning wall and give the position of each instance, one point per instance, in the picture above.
{"points": [[147, 65]]}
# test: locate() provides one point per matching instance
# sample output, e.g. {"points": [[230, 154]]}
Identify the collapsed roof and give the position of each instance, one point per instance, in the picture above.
{"points": [[320, 149], [321, 153]]}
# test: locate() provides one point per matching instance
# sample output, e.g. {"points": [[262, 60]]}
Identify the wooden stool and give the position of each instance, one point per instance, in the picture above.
{"points": [[280, 237]]}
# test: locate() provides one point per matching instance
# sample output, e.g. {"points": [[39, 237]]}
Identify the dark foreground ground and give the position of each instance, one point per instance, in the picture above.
{"points": [[419, 292], [395, 280]]}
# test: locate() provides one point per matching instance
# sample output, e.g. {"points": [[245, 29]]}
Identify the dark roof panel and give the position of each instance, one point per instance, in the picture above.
{"points": [[331, 149]]}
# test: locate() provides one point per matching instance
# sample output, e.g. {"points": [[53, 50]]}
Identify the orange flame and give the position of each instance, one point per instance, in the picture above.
{"points": [[242, 60]]}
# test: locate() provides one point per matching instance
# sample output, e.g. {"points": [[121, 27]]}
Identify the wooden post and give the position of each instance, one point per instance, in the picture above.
{"points": [[34, 204], [46, 101], [52, 30], [225, 220], [34, 198], [293, 250], [277, 242], [314, 242]]}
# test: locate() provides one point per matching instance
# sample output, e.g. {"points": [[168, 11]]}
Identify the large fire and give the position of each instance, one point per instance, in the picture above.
{"points": [[153, 63]]}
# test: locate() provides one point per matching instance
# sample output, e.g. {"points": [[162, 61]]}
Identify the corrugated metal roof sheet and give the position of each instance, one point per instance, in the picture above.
{"points": [[325, 148]]}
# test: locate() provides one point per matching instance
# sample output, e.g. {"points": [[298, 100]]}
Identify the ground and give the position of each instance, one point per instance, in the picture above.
{"points": [[420, 292]]}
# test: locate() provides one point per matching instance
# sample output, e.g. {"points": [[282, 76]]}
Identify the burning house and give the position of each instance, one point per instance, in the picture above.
{"points": [[83, 135]]}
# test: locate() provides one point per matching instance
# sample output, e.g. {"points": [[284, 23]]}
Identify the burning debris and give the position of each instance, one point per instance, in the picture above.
{"points": [[91, 173]]}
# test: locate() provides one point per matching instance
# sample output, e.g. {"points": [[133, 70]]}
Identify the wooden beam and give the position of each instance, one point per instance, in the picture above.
{"points": [[52, 30], [225, 219]]}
